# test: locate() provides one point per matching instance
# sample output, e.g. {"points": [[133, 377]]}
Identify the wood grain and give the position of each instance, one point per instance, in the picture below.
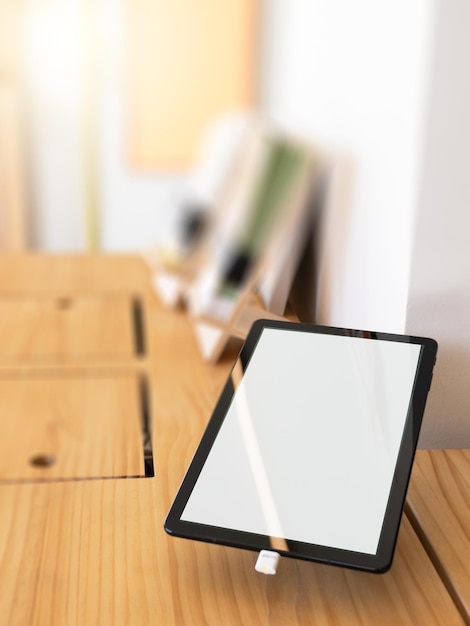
{"points": [[95, 552], [439, 504], [69, 327], [31, 274], [88, 426], [90, 553]]}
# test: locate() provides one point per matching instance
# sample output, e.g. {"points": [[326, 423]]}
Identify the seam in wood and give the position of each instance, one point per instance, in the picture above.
{"points": [[437, 563]]}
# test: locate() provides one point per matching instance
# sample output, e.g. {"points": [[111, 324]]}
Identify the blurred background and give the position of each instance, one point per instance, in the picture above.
{"points": [[108, 101], [104, 104]]}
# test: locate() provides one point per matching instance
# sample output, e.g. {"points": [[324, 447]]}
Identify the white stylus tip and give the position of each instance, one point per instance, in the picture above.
{"points": [[267, 562]]}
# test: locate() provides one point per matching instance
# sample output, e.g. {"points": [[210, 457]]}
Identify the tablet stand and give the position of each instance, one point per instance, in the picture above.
{"points": [[213, 334]]}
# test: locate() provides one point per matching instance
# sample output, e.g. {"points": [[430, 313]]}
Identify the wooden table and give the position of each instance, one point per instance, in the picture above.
{"points": [[87, 354], [439, 507]]}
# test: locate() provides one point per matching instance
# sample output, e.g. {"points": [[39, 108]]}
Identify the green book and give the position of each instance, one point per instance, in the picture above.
{"points": [[278, 178]]}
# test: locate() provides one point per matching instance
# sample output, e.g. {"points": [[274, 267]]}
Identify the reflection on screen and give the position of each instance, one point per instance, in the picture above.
{"points": [[308, 448]]}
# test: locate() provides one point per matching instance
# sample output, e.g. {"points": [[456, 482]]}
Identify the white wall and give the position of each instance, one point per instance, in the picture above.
{"points": [[439, 293], [51, 75], [136, 210], [386, 87], [353, 76]]}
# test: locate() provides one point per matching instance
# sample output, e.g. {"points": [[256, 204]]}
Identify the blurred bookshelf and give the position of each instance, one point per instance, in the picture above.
{"points": [[187, 62]]}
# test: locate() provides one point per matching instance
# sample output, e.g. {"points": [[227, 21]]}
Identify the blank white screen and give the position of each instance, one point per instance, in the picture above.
{"points": [[308, 448]]}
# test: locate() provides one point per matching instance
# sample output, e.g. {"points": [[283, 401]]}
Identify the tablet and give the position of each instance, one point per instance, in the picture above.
{"points": [[310, 447]]}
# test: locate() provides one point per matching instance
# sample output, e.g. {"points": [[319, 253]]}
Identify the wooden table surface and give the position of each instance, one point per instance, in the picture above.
{"points": [[439, 507], [82, 540]]}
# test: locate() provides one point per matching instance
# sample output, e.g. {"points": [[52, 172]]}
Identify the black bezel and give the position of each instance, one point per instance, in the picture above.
{"points": [[382, 560]]}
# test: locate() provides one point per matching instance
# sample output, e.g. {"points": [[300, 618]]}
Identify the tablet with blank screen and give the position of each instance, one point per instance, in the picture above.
{"points": [[310, 447]]}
